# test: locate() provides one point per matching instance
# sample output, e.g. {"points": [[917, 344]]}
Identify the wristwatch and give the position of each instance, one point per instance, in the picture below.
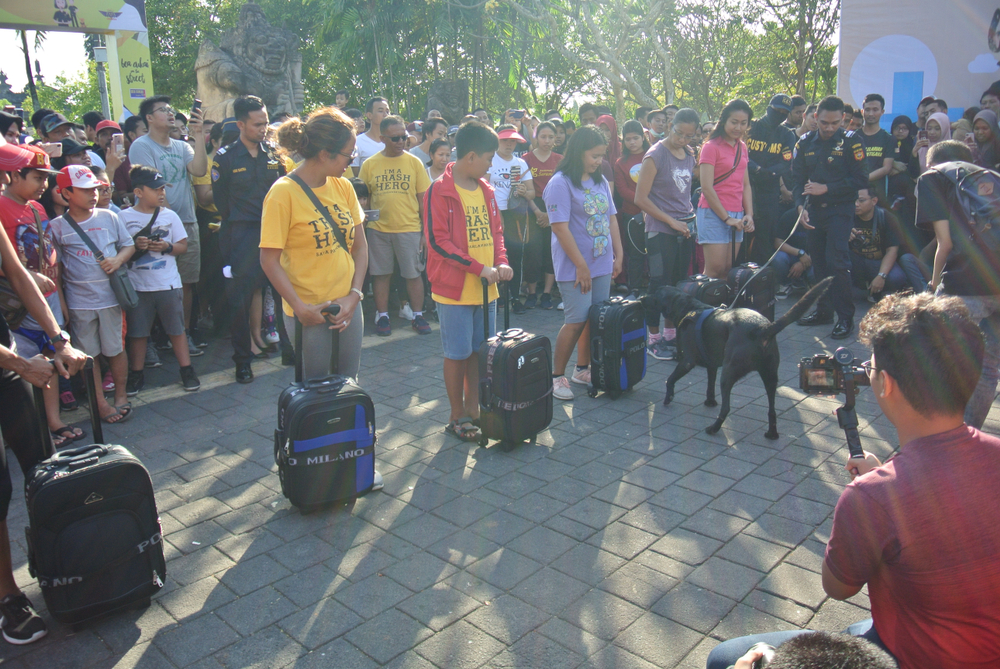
{"points": [[802, 252], [883, 275], [61, 338]]}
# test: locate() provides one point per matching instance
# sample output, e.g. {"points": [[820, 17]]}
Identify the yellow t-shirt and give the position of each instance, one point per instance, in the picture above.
{"points": [[205, 180], [396, 186], [477, 226], [319, 268]]}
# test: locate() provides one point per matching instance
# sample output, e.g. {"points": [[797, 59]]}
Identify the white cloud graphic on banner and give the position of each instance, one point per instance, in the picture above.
{"points": [[984, 63]]}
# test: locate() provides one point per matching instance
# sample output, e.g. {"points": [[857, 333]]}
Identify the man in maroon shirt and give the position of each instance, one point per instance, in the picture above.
{"points": [[919, 530]]}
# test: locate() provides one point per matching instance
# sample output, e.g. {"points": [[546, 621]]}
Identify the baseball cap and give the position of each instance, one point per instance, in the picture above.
{"points": [[72, 147], [39, 160], [78, 176], [14, 157], [53, 121], [511, 134], [154, 180], [782, 102], [108, 124], [453, 130]]}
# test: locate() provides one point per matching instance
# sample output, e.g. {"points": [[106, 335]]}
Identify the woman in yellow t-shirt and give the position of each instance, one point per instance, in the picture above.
{"points": [[299, 249]]}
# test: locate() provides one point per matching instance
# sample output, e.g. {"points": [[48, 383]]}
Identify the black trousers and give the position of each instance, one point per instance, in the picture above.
{"points": [[831, 254], [248, 278], [669, 257], [19, 426], [633, 235], [515, 229], [537, 248], [767, 209]]}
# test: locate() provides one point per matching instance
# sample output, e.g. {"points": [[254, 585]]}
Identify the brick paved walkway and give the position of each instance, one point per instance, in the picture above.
{"points": [[626, 537]]}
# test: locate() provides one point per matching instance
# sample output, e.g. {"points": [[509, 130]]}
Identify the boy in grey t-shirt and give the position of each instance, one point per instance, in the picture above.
{"points": [[94, 314]]}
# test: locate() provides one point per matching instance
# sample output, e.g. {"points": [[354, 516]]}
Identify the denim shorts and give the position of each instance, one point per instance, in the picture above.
{"points": [[462, 328], [713, 230], [576, 305]]}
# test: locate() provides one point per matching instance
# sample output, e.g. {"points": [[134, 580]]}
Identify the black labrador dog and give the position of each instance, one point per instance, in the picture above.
{"points": [[738, 340]]}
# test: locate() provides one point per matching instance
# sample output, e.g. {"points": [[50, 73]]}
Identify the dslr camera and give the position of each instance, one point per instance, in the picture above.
{"points": [[824, 374]]}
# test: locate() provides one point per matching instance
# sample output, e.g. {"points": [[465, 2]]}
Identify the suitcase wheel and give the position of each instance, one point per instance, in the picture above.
{"points": [[591, 391], [483, 441]]}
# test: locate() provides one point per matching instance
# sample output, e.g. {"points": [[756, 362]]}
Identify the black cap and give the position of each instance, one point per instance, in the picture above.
{"points": [[782, 102], [150, 179], [71, 147]]}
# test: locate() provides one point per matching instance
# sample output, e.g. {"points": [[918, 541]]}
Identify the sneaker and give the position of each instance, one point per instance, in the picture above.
{"points": [[405, 312], [560, 307], [382, 327], [20, 622], [421, 325], [561, 389], [67, 401], [108, 383], [193, 350], [164, 346], [783, 291], [545, 302], [517, 307], [271, 337], [581, 376], [189, 379], [663, 350], [377, 483], [136, 382], [531, 301], [152, 358]]}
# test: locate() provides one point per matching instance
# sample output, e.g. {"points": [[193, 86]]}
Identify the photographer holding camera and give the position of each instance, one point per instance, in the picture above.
{"points": [[919, 530]]}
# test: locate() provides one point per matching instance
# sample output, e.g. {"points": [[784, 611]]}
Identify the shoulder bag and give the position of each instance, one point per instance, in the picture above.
{"points": [[120, 283]]}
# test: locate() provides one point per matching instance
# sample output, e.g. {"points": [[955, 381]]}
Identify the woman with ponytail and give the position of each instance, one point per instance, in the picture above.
{"points": [[310, 263]]}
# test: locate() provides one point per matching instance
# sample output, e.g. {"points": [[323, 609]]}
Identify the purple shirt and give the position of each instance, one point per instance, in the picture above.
{"points": [[671, 190], [588, 211]]}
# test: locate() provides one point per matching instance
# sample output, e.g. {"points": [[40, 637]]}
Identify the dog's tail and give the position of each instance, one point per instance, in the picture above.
{"points": [[798, 309]]}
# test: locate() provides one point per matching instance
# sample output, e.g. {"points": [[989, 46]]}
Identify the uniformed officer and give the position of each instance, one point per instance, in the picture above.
{"points": [[828, 170], [242, 173], [769, 148]]}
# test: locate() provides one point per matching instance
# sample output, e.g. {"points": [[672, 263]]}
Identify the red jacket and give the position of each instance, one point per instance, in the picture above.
{"points": [[448, 259], [624, 186]]}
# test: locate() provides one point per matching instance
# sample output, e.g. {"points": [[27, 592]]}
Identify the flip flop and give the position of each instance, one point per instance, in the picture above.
{"points": [[456, 428], [125, 411], [69, 433], [58, 440]]}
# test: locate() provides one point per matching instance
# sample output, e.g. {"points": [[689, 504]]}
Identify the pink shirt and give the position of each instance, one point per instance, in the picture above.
{"points": [[718, 153]]}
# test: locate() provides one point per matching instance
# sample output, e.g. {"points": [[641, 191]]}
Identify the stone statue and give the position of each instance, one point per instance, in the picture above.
{"points": [[451, 98], [254, 58]]}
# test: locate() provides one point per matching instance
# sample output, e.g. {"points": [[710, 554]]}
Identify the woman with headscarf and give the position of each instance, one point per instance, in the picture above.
{"points": [[987, 134], [937, 129]]}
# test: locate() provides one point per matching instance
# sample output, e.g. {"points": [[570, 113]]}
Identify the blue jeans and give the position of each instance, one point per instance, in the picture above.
{"points": [[783, 262], [728, 652], [985, 309], [905, 273]]}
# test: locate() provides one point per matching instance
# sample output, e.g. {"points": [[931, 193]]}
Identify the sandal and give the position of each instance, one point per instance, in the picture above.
{"points": [[120, 415], [459, 429], [59, 440], [68, 433]]}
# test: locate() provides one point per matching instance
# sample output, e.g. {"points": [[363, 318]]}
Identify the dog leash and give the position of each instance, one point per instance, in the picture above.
{"points": [[795, 227]]}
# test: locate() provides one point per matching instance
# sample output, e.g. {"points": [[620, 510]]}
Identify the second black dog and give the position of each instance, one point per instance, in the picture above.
{"points": [[737, 340]]}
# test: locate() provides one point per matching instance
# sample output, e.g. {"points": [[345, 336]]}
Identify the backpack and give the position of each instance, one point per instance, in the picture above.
{"points": [[978, 192]]}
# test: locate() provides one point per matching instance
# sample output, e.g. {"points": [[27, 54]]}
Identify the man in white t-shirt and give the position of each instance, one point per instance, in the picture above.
{"points": [[370, 143], [510, 177], [153, 271]]}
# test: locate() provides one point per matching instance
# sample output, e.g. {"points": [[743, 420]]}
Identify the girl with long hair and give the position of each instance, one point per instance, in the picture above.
{"points": [[634, 147]]}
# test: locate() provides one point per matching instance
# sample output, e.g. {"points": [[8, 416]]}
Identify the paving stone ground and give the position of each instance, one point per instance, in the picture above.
{"points": [[625, 538]]}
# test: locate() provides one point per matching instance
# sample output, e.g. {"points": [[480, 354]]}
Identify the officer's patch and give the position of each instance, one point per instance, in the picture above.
{"points": [[859, 153], [215, 173]]}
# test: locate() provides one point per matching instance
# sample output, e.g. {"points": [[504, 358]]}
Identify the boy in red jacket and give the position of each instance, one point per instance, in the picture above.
{"points": [[464, 231]]}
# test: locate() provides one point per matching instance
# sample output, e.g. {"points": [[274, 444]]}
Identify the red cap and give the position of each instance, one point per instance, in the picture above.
{"points": [[39, 159], [78, 176], [13, 156], [108, 124], [511, 134]]}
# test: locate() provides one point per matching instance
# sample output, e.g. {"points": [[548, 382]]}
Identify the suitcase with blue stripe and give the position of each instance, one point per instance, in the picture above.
{"points": [[617, 346], [325, 442]]}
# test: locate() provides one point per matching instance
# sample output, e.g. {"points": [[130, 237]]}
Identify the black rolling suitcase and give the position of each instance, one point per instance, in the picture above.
{"points": [[94, 540], [713, 292], [515, 381], [617, 346], [759, 295], [325, 442]]}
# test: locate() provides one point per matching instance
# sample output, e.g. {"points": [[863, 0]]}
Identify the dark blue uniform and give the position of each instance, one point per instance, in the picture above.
{"points": [[769, 149], [240, 182], [839, 163]]}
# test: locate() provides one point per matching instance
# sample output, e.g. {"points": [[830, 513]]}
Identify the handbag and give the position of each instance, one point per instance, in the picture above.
{"points": [[120, 283], [13, 309]]}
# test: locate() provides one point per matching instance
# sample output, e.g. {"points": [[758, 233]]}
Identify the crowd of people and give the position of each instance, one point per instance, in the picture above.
{"points": [[263, 227]]}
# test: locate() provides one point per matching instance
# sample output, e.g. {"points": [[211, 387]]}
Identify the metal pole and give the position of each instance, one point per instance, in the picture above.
{"points": [[101, 57]]}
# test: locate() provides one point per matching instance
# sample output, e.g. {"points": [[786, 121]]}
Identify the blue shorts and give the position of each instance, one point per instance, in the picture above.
{"points": [[576, 305], [713, 230], [462, 328]]}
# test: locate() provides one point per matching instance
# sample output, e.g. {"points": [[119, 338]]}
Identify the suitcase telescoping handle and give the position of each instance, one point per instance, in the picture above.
{"points": [[486, 307], [331, 310]]}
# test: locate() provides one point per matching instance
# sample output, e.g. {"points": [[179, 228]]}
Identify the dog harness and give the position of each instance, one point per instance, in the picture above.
{"points": [[699, 321]]}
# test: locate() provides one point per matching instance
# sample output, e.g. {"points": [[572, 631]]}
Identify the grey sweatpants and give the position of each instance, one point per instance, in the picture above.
{"points": [[317, 345]]}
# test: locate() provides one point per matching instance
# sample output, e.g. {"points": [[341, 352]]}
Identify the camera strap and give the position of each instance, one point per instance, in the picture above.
{"points": [[146, 231]]}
